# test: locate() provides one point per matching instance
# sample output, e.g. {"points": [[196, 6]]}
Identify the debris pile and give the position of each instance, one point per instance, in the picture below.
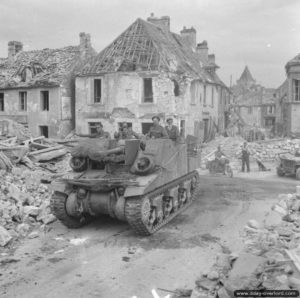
{"points": [[270, 259], [266, 151], [24, 204]]}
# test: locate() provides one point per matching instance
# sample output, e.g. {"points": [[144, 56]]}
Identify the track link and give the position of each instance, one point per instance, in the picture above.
{"points": [[133, 206]]}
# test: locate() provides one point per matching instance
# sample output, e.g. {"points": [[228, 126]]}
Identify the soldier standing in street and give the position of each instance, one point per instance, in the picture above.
{"points": [[245, 157]]}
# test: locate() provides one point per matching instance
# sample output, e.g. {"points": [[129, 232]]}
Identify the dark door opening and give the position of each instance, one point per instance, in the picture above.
{"points": [[44, 131], [146, 127]]}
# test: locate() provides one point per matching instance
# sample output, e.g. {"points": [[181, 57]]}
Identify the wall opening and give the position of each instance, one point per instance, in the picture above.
{"points": [[92, 127], [120, 124], [176, 88], [23, 101], [148, 90], [204, 96], [1, 102], [44, 131], [146, 127], [97, 90], [45, 100], [182, 128]]}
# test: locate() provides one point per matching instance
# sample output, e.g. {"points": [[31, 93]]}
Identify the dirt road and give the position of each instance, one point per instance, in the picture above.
{"points": [[106, 259]]}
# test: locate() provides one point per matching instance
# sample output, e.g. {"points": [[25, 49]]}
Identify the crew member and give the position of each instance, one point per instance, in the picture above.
{"points": [[100, 133], [126, 132], [156, 130], [172, 130], [220, 158]]}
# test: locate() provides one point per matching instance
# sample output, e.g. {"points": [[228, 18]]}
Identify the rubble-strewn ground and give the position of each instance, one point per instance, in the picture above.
{"points": [[106, 259]]}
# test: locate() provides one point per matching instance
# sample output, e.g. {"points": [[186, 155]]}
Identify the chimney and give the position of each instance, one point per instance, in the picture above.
{"points": [[189, 34], [14, 47], [202, 50], [85, 43], [163, 22]]}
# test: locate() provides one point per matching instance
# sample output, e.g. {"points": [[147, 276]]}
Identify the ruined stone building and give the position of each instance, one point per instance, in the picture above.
{"points": [[37, 88], [149, 70], [255, 104], [289, 100]]}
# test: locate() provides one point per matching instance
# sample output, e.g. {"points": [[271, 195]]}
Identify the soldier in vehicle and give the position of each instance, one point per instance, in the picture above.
{"points": [[172, 130], [126, 132], [100, 133], [156, 130]]}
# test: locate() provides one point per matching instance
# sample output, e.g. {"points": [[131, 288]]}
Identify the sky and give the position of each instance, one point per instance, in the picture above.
{"points": [[263, 34]]}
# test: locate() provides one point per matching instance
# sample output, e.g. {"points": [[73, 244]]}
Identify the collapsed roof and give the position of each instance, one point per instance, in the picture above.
{"points": [[144, 46]]}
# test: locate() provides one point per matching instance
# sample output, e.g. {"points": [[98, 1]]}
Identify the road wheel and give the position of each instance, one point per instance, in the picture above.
{"points": [[298, 174], [58, 208], [280, 172]]}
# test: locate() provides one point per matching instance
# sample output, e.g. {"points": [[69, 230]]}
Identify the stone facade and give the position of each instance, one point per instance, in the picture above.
{"points": [[37, 88]]}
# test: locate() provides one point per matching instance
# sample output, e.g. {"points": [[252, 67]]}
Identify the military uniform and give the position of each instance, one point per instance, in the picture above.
{"points": [[157, 132], [173, 133]]}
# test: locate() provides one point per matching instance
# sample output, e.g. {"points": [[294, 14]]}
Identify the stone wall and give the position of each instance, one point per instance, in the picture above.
{"points": [[124, 91], [58, 118]]}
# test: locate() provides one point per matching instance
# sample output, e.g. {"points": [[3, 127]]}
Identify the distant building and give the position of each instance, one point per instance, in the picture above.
{"points": [[255, 104], [149, 70], [291, 103], [37, 88]]}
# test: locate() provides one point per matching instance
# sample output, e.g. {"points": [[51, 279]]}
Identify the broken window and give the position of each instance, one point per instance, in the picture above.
{"points": [[23, 101], [296, 90], [148, 91], [176, 88], [204, 97], [1, 102], [45, 100], [44, 131], [97, 90]]}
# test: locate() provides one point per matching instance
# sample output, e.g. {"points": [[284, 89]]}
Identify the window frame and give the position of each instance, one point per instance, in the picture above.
{"points": [[23, 107], [296, 90], [96, 98], [204, 95], [2, 95], [42, 100], [144, 100]]}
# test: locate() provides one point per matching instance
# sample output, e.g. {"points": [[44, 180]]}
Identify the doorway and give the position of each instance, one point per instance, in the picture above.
{"points": [[44, 131]]}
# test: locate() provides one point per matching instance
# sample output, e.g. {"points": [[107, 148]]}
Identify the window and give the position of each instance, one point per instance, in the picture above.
{"points": [[45, 100], [296, 88], [23, 101], [176, 88], [269, 122], [250, 110], [146, 127], [1, 102], [92, 127], [212, 97], [204, 97], [271, 109], [97, 90], [148, 92], [193, 92], [44, 131]]}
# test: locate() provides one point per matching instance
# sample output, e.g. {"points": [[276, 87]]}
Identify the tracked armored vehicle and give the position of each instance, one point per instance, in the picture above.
{"points": [[145, 184]]}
